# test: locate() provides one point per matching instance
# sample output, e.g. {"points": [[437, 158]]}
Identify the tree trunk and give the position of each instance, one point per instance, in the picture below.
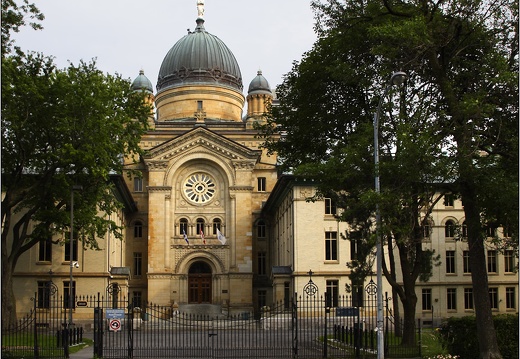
{"points": [[409, 305], [8, 299], [488, 345]]}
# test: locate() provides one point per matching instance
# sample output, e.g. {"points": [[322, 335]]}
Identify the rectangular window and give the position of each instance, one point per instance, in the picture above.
{"points": [[465, 260], [74, 250], [45, 251], [261, 184], [451, 298], [509, 261], [355, 239], [450, 262], [137, 299], [493, 298], [332, 293], [262, 298], [330, 206], [262, 263], [331, 246], [468, 298], [492, 261], [138, 230], [138, 264], [199, 105], [449, 200], [510, 298], [44, 294], [426, 299], [260, 229], [138, 184], [66, 294]]}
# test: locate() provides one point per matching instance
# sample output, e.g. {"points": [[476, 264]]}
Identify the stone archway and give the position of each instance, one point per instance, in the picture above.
{"points": [[199, 283]]}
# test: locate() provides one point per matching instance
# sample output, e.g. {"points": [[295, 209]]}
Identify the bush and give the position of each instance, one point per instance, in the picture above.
{"points": [[459, 336]]}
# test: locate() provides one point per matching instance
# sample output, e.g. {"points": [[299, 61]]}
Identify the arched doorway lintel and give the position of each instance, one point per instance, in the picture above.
{"points": [[216, 265]]}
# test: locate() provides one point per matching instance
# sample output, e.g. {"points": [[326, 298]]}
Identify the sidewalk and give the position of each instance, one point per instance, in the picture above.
{"points": [[85, 353]]}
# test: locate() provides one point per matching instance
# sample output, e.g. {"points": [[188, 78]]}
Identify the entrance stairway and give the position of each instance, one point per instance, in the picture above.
{"points": [[211, 310]]}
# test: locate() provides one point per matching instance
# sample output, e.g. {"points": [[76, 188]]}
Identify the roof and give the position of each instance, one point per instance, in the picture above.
{"points": [[259, 85], [281, 270], [199, 58], [125, 271], [142, 82]]}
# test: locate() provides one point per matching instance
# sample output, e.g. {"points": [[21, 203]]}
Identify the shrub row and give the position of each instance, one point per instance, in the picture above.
{"points": [[459, 336]]}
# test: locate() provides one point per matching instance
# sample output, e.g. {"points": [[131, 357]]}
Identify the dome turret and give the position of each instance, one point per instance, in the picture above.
{"points": [[259, 85], [142, 82]]}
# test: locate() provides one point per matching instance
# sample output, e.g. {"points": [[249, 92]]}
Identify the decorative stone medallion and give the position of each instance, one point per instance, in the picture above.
{"points": [[199, 188]]}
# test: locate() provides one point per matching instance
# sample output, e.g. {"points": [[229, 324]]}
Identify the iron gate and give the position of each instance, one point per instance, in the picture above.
{"points": [[308, 326]]}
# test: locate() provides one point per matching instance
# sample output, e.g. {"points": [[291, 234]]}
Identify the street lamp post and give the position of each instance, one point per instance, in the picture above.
{"points": [[71, 250], [397, 79]]}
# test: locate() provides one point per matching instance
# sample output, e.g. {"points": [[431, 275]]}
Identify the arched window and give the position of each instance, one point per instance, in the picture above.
{"points": [[200, 225], [449, 229], [183, 226], [217, 224], [138, 229]]}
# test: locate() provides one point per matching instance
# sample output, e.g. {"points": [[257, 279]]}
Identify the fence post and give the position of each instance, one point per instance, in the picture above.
{"points": [[36, 349], [98, 330], [327, 310], [130, 327], [295, 325]]}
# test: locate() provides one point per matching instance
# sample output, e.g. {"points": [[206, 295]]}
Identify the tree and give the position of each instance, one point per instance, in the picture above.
{"points": [[455, 130], [60, 127]]}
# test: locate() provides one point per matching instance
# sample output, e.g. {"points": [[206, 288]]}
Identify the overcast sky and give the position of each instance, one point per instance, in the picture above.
{"points": [[128, 35]]}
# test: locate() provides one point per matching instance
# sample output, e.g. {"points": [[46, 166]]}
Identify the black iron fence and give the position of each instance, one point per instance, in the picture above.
{"points": [[44, 332], [307, 326]]}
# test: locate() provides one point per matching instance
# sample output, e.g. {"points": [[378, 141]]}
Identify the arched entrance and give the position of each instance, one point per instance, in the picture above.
{"points": [[199, 283]]}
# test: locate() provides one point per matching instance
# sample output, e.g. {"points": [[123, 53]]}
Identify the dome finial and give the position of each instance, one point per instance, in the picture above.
{"points": [[200, 9]]}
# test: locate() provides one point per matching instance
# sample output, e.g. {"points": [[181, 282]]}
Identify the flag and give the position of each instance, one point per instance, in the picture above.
{"points": [[185, 236], [202, 237], [221, 237]]}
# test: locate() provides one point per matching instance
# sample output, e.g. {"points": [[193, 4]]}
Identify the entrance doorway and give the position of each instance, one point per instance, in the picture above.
{"points": [[199, 283]]}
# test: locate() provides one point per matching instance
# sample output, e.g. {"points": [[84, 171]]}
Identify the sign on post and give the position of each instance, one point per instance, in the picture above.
{"points": [[114, 317], [347, 312], [114, 325]]}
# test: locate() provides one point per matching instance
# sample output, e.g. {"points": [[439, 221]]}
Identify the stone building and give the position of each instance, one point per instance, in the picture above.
{"points": [[203, 180], [209, 221]]}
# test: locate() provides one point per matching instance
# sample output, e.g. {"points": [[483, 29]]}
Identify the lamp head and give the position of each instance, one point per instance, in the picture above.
{"points": [[398, 78]]}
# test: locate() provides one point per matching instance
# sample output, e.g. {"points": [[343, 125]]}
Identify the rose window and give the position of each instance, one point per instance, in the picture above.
{"points": [[199, 188]]}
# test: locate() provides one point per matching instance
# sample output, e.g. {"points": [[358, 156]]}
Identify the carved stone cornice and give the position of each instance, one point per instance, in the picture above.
{"points": [[159, 188], [241, 188], [201, 137], [159, 276], [243, 165], [156, 165], [240, 275]]}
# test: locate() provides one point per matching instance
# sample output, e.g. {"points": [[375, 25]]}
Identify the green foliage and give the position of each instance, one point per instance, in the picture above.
{"points": [[59, 128], [62, 128], [459, 336], [453, 127], [15, 16]]}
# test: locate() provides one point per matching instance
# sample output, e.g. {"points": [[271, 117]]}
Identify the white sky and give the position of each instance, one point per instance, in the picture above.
{"points": [[128, 35]]}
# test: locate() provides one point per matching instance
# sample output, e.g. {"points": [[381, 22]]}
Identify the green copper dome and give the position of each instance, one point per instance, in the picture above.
{"points": [[259, 85], [142, 82], [199, 58]]}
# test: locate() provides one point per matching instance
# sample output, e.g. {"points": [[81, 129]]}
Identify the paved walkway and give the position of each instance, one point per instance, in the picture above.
{"points": [[85, 353]]}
